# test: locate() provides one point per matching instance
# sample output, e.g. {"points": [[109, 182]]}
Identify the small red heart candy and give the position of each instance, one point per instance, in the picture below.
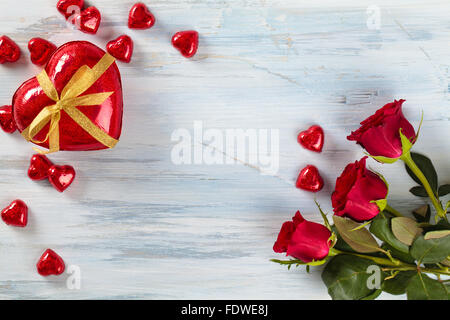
{"points": [[89, 20], [64, 7], [140, 17], [7, 120], [309, 179], [121, 48], [9, 50], [50, 263], [186, 42], [16, 214], [40, 50], [61, 176], [312, 139], [39, 166]]}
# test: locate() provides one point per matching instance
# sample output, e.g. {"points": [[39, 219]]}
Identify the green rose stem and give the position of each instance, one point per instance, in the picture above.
{"points": [[392, 266], [378, 260], [389, 209], [415, 268], [406, 157]]}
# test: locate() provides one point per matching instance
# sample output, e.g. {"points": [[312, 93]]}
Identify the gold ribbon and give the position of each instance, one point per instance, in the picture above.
{"points": [[70, 98]]}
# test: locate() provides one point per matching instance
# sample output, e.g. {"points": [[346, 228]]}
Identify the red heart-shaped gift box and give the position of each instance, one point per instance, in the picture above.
{"points": [[30, 99]]}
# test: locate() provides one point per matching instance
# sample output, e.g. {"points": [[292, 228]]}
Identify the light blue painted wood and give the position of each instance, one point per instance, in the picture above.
{"points": [[139, 226]]}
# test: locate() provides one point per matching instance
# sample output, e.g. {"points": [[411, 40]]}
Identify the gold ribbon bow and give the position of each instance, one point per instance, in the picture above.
{"points": [[70, 98]]}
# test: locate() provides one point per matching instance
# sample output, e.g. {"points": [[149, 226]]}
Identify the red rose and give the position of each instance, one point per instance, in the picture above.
{"points": [[355, 190], [379, 134], [303, 239]]}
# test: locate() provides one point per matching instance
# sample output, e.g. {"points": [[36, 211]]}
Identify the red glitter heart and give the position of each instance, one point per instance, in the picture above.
{"points": [[309, 179], [312, 139], [61, 177], [39, 166], [63, 7], [40, 50], [50, 263], [140, 17], [9, 50], [16, 214], [89, 20], [186, 42], [6, 119], [121, 48]]}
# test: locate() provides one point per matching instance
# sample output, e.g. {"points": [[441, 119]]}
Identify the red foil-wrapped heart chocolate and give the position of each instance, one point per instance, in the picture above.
{"points": [[186, 42], [39, 166], [6, 119], [89, 20], [16, 214], [9, 50], [68, 7], [312, 139], [40, 50], [140, 17], [75, 103], [61, 177], [309, 179], [121, 48], [50, 263]]}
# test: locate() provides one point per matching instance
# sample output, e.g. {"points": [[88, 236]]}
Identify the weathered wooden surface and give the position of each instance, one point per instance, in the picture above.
{"points": [[140, 226]]}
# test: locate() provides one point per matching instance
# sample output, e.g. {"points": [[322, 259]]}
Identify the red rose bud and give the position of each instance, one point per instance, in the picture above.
{"points": [[303, 239], [380, 133], [356, 190]]}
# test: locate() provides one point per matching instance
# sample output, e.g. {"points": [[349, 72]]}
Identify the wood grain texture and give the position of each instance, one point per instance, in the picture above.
{"points": [[139, 226]]}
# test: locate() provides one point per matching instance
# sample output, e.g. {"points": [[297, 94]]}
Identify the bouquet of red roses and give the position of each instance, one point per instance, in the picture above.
{"points": [[371, 247]]}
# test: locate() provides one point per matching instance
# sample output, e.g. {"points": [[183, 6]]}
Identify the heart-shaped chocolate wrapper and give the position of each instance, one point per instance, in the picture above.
{"points": [[93, 126]]}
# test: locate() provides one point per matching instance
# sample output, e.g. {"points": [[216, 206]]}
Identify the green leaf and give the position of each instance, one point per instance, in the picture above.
{"points": [[422, 287], [423, 213], [436, 234], [398, 284], [346, 277], [419, 191], [444, 190], [360, 240], [381, 228], [446, 262], [405, 229], [426, 166], [340, 243], [430, 251], [373, 295]]}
